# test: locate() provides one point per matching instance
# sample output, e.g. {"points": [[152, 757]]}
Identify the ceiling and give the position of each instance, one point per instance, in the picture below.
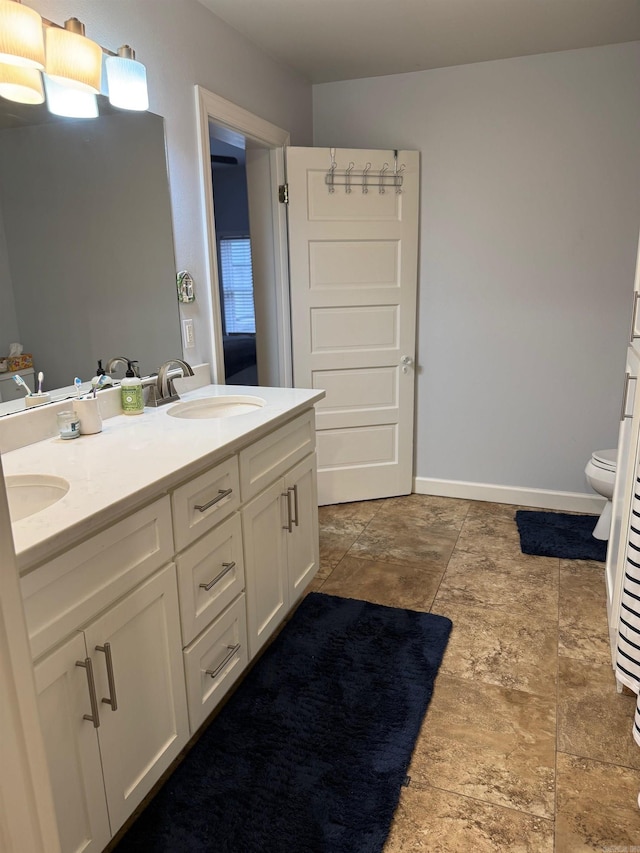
{"points": [[327, 40]]}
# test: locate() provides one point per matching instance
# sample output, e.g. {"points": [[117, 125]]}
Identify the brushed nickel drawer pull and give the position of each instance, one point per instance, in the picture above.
{"points": [[226, 568], [289, 525], [224, 662], [222, 493], [94, 716], [112, 700], [625, 394], [294, 489], [634, 314]]}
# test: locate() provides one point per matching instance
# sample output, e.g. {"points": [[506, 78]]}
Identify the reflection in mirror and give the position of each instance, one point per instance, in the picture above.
{"points": [[87, 268]]}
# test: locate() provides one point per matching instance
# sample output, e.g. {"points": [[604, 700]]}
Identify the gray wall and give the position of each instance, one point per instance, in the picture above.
{"points": [[183, 44], [530, 208], [8, 322]]}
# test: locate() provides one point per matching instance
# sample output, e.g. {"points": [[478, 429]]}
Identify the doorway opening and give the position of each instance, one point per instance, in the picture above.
{"points": [[235, 268], [242, 163]]}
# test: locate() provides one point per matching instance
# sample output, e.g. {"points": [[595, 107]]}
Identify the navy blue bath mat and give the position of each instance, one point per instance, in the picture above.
{"points": [[310, 753], [558, 534]]}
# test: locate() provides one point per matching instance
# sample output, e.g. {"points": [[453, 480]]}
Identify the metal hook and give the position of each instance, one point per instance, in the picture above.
{"points": [[347, 177], [399, 179], [365, 188], [332, 169], [382, 171]]}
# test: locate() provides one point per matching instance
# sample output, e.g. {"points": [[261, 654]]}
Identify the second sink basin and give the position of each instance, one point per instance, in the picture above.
{"points": [[31, 493], [216, 407]]}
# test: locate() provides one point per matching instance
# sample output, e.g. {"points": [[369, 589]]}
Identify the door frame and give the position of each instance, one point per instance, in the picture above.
{"points": [[243, 125]]}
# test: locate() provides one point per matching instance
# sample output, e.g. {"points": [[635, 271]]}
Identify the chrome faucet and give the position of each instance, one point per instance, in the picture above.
{"points": [[118, 359], [163, 391]]}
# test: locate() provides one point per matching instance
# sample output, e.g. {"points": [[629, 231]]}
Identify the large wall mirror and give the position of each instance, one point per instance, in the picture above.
{"points": [[87, 265]]}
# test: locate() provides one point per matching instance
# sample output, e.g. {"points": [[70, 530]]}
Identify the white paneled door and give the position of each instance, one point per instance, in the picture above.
{"points": [[353, 252]]}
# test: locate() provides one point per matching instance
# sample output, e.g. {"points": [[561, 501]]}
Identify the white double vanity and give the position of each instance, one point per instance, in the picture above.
{"points": [[180, 546]]}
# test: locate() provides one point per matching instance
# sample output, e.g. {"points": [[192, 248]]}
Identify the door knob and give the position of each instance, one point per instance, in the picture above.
{"points": [[406, 361]]}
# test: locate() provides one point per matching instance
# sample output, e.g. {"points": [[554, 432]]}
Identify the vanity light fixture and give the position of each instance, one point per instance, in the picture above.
{"points": [[127, 80], [72, 58], [72, 62], [67, 101], [22, 85], [21, 39]]}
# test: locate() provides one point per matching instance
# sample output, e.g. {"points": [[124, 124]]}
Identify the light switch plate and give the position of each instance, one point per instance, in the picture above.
{"points": [[188, 334]]}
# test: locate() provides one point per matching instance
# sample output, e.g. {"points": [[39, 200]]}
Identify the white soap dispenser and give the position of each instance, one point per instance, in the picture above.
{"points": [[102, 378], [131, 392]]}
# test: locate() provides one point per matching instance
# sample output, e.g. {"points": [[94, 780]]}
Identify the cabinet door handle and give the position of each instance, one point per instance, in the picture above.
{"points": [[94, 716], [224, 661], [222, 493], [226, 568], [634, 314], [112, 700], [289, 525], [294, 489], [625, 394]]}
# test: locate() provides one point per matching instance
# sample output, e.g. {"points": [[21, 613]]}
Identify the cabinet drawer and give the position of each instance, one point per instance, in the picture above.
{"points": [[269, 458], [214, 661], [205, 501], [217, 561], [71, 589]]}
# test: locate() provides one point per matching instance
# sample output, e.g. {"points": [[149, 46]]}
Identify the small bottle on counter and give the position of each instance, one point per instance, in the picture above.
{"points": [[68, 425], [131, 392]]}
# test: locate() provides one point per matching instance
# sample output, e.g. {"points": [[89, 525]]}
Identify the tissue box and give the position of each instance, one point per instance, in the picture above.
{"points": [[20, 362]]}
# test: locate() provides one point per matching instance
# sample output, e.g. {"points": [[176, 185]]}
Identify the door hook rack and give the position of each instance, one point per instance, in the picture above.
{"points": [[365, 178]]}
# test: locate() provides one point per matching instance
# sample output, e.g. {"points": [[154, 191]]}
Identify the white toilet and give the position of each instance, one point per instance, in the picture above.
{"points": [[601, 475]]}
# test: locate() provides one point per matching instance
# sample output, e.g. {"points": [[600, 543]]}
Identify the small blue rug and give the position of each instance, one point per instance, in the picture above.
{"points": [[310, 753], [559, 534]]}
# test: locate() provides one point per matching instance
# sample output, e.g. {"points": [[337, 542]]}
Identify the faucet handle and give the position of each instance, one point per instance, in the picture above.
{"points": [[165, 380], [154, 397], [162, 391]]}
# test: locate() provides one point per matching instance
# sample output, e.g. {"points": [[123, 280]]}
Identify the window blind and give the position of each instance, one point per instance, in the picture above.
{"points": [[237, 284]]}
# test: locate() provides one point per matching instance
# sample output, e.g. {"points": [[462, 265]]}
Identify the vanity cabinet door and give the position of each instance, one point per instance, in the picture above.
{"points": [[624, 488], [145, 728], [265, 563], [302, 540], [71, 745], [280, 529]]}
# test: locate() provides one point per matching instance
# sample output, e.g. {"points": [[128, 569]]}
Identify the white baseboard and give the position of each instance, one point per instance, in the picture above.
{"points": [[541, 498]]}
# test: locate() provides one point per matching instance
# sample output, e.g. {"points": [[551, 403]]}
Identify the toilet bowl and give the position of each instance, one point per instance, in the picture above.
{"points": [[601, 475]]}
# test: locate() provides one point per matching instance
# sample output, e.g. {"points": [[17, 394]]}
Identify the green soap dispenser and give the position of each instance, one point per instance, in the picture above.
{"points": [[131, 392]]}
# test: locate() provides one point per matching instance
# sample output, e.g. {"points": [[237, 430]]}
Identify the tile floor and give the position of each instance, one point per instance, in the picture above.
{"points": [[526, 745]]}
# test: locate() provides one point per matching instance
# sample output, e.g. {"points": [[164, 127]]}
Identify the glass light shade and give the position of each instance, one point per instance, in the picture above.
{"points": [[68, 101], [127, 82], [21, 40], [73, 59], [22, 85]]}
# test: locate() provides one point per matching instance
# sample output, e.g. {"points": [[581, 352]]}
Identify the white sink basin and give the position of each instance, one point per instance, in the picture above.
{"points": [[31, 493], [216, 407]]}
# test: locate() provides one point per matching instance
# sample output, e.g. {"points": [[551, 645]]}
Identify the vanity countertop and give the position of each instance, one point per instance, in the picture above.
{"points": [[133, 460]]}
